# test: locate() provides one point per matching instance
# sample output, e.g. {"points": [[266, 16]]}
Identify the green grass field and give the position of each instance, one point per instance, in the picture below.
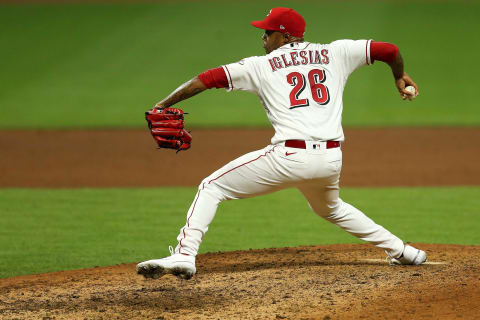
{"points": [[51, 230], [103, 65]]}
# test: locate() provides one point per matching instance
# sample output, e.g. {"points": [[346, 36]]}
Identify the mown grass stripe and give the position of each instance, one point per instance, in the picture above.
{"points": [[49, 230]]}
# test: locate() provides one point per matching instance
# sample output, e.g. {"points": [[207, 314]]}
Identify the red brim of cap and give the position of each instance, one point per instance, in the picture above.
{"points": [[260, 24]]}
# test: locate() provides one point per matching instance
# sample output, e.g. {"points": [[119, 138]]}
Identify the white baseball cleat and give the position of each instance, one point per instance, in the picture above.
{"points": [[178, 264], [410, 256]]}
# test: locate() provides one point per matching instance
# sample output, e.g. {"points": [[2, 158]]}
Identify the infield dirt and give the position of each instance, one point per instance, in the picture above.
{"points": [[128, 158], [322, 282]]}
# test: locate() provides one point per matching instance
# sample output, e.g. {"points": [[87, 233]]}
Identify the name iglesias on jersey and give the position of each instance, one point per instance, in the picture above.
{"points": [[296, 58]]}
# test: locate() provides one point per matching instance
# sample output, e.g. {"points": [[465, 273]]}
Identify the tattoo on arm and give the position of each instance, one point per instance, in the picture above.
{"points": [[185, 91]]}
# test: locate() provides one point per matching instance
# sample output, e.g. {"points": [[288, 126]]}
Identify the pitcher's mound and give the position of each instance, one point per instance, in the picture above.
{"points": [[318, 282]]}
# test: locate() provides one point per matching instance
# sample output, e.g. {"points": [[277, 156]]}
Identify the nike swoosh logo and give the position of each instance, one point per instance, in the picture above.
{"points": [[289, 153]]}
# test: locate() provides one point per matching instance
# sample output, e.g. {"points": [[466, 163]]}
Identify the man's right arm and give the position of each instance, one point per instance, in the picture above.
{"points": [[390, 54]]}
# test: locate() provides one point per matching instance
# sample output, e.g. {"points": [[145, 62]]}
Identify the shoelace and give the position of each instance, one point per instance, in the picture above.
{"points": [[389, 260], [394, 261], [172, 251]]}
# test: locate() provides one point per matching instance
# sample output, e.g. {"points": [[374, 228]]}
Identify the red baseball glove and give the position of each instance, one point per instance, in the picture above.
{"points": [[167, 128]]}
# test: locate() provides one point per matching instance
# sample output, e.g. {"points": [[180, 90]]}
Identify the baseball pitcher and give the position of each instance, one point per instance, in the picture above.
{"points": [[300, 84]]}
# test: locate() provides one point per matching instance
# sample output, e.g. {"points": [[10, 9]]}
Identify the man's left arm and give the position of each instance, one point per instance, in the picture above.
{"points": [[166, 124], [185, 91], [212, 78]]}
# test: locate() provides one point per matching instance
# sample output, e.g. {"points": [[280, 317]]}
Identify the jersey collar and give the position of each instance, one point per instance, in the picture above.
{"points": [[295, 46]]}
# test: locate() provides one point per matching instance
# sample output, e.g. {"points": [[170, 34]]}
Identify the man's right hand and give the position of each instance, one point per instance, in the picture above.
{"points": [[403, 82]]}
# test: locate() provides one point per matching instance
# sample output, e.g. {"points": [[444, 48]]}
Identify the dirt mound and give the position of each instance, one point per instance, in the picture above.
{"points": [[320, 282]]}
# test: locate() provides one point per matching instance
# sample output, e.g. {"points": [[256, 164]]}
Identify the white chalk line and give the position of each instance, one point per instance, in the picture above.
{"points": [[385, 261]]}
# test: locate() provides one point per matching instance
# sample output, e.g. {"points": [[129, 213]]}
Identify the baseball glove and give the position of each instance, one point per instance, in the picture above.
{"points": [[167, 128]]}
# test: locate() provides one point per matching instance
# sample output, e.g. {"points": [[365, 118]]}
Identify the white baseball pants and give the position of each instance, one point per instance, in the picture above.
{"points": [[315, 171]]}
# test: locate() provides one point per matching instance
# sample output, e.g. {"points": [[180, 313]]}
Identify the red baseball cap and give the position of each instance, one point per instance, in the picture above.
{"points": [[284, 20]]}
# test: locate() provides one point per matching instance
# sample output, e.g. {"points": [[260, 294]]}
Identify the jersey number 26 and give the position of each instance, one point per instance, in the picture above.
{"points": [[316, 78]]}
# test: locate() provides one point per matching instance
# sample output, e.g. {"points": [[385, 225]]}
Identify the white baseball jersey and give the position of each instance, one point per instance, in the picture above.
{"points": [[301, 86]]}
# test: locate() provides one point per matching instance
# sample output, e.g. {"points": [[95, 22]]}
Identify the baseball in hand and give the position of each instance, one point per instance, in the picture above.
{"points": [[412, 90]]}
